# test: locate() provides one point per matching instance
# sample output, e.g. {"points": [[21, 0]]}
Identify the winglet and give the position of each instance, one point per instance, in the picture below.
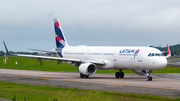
{"points": [[5, 47], [168, 52]]}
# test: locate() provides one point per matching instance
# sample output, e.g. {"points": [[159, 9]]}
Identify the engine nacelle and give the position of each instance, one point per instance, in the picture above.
{"points": [[87, 68], [142, 72]]}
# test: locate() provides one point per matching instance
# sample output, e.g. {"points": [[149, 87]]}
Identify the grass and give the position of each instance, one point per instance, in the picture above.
{"points": [[172, 57], [27, 63], [48, 93]]}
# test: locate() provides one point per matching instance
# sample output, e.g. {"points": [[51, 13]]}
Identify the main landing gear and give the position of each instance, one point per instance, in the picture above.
{"points": [[119, 74], [82, 76]]}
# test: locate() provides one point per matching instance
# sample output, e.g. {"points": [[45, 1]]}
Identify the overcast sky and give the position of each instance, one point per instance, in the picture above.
{"points": [[29, 23]]}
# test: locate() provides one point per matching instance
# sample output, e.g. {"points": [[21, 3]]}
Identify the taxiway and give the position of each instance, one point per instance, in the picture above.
{"points": [[165, 84]]}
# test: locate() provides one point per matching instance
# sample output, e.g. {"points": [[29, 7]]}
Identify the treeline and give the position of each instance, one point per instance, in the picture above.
{"points": [[175, 49]]}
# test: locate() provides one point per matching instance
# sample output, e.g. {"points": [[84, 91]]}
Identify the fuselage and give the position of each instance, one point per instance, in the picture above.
{"points": [[134, 58]]}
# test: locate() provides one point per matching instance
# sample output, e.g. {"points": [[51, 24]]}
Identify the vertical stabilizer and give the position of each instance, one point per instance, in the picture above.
{"points": [[59, 35]]}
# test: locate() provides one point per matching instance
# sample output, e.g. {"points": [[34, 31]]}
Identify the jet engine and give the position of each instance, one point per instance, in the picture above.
{"points": [[142, 72], [87, 68]]}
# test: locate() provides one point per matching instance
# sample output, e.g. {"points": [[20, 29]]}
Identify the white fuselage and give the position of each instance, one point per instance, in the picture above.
{"points": [[118, 57]]}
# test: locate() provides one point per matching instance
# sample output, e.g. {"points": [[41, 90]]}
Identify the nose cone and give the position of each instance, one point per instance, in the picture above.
{"points": [[162, 63]]}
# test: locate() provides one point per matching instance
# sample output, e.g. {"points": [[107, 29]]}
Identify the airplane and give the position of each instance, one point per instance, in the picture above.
{"points": [[142, 60]]}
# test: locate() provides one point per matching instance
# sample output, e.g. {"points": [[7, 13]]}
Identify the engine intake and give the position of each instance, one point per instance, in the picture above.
{"points": [[87, 68]]}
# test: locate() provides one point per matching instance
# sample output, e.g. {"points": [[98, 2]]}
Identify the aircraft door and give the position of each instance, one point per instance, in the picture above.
{"points": [[115, 55], [87, 53], [140, 56]]}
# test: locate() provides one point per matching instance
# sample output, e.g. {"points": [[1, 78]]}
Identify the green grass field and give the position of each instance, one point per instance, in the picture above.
{"points": [[48, 93], [27, 63]]}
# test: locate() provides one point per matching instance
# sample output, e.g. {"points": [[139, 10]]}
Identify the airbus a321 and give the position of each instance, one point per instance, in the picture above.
{"points": [[142, 60]]}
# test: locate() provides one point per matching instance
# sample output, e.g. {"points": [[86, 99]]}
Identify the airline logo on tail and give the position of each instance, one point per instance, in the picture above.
{"points": [[60, 40]]}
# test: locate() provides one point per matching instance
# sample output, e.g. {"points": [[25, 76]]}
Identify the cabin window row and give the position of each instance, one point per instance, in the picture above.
{"points": [[89, 53]]}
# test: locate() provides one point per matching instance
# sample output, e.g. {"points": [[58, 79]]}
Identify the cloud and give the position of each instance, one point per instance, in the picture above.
{"points": [[172, 15], [91, 22]]}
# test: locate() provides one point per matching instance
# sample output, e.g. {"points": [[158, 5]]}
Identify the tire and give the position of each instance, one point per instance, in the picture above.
{"points": [[150, 78], [117, 74], [86, 76], [147, 78], [121, 75], [81, 75]]}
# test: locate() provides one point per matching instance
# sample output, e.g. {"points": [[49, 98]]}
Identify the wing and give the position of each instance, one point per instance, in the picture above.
{"points": [[49, 51], [59, 59]]}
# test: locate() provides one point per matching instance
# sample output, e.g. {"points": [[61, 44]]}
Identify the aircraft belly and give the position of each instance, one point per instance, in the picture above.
{"points": [[122, 63]]}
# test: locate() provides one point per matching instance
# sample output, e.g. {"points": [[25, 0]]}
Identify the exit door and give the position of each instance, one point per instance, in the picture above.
{"points": [[140, 56], [115, 55]]}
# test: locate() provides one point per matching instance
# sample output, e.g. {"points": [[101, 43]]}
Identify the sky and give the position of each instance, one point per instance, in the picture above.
{"points": [[28, 24]]}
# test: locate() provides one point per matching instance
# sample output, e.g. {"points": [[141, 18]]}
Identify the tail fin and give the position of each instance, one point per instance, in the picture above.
{"points": [[59, 35]]}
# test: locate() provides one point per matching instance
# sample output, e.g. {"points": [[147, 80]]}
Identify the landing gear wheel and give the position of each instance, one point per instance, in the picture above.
{"points": [[121, 75], [86, 76], [149, 78], [81, 75], [117, 75]]}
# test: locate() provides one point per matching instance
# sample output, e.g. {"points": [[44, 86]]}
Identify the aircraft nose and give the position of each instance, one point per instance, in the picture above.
{"points": [[162, 63]]}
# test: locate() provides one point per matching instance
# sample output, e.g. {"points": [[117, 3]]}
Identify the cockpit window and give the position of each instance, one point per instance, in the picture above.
{"points": [[155, 54], [152, 54], [149, 55]]}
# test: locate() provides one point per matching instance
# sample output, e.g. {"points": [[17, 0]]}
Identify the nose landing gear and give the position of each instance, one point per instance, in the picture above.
{"points": [[148, 78]]}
